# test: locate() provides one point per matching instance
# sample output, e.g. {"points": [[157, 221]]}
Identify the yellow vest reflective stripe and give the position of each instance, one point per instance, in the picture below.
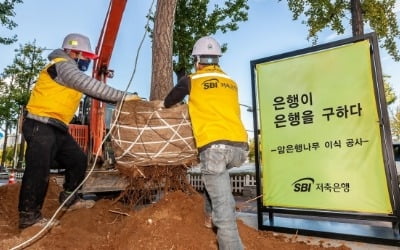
{"points": [[51, 99], [210, 90], [212, 74]]}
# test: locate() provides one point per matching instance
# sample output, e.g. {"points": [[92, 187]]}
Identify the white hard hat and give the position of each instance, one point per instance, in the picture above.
{"points": [[206, 46], [78, 42]]}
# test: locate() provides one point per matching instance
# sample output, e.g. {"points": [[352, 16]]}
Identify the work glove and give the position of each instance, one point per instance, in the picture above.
{"points": [[132, 98]]}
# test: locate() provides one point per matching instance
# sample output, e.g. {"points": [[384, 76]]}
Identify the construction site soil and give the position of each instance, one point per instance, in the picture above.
{"points": [[174, 222]]}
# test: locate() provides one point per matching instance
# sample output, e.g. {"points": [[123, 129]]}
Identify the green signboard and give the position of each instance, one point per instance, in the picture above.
{"points": [[320, 136]]}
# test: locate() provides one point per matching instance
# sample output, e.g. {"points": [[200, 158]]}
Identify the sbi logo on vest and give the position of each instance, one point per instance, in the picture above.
{"points": [[214, 83], [210, 84], [303, 184]]}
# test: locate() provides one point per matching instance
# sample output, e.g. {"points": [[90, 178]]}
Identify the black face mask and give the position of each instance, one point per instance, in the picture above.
{"points": [[83, 65]]}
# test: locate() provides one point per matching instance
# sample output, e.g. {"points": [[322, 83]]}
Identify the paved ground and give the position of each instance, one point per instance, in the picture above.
{"points": [[247, 212], [3, 182]]}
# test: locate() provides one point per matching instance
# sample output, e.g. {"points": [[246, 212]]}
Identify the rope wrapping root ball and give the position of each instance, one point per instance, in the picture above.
{"points": [[153, 147]]}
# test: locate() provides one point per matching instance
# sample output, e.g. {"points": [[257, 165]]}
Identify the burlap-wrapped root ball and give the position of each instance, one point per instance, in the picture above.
{"points": [[147, 136]]}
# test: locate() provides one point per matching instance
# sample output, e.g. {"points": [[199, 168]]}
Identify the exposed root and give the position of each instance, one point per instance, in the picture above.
{"points": [[158, 181]]}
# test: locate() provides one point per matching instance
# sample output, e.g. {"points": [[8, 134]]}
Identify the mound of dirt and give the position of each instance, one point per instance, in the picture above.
{"points": [[175, 222]]}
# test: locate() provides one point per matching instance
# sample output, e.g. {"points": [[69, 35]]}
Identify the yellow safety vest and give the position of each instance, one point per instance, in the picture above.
{"points": [[214, 107], [51, 99]]}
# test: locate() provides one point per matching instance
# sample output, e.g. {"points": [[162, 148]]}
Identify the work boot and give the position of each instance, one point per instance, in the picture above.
{"points": [[81, 203], [75, 202], [34, 219], [27, 219], [44, 221], [64, 195]]}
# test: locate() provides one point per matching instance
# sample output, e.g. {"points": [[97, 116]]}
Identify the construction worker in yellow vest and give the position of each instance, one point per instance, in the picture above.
{"points": [[219, 133], [52, 105]]}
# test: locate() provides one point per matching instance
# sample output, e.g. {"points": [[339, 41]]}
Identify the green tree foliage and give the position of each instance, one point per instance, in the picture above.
{"points": [[395, 123], [193, 19], [6, 13], [251, 151], [8, 107], [22, 73], [8, 114], [390, 95], [8, 156], [378, 14], [16, 83]]}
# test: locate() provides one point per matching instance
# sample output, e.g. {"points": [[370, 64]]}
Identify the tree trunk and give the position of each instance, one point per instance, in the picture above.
{"points": [[4, 155], [21, 152], [15, 152], [22, 145], [357, 18], [161, 77]]}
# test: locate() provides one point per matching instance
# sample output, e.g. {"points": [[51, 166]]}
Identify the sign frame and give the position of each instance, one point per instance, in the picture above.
{"points": [[329, 223]]}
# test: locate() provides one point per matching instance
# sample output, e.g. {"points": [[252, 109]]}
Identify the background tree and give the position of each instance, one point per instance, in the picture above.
{"points": [[378, 14], [21, 75], [193, 20], [395, 123], [8, 114], [27, 63], [6, 13], [251, 151], [390, 95], [8, 156], [390, 99]]}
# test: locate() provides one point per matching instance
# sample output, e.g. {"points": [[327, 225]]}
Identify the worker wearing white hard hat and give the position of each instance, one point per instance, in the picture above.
{"points": [[206, 51], [53, 102], [220, 136]]}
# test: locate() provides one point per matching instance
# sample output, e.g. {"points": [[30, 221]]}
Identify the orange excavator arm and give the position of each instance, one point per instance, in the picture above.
{"points": [[101, 70]]}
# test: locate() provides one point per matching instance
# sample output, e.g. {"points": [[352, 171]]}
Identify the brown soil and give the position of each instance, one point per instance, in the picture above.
{"points": [[175, 222]]}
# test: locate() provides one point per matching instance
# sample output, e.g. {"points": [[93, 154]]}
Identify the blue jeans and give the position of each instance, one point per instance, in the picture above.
{"points": [[214, 163]]}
